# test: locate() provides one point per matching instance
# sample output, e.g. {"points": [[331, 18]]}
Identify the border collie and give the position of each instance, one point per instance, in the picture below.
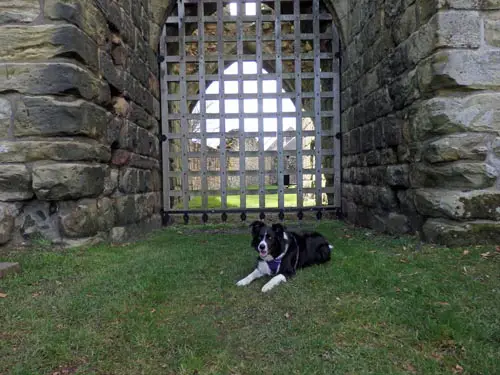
{"points": [[282, 253]]}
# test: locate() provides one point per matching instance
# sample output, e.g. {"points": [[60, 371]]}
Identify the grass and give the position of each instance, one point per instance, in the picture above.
{"points": [[252, 201], [168, 305]]}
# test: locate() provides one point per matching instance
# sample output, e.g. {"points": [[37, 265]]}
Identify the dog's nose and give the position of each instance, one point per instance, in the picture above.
{"points": [[262, 246]]}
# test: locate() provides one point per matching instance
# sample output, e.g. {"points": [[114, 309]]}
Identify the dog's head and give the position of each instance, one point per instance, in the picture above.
{"points": [[269, 242]]}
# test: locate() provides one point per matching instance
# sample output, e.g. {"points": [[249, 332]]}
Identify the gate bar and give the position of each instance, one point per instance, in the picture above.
{"points": [[260, 103], [317, 101], [222, 110], [298, 102], [241, 122], [203, 105], [279, 88]]}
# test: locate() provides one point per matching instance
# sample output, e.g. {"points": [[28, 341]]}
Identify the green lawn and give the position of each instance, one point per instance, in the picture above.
{"points": [[252, 201], [168, 305]]}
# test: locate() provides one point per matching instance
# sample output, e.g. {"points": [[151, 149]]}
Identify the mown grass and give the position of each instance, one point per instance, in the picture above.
{"points": [[168, 305], [252, 201]]}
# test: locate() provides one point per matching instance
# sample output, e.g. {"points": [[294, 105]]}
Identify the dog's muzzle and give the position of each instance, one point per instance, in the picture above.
{"points": [[262, 248]]}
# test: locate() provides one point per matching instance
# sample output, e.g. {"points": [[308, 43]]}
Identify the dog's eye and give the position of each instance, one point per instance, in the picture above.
{"points": [[268, 237]]}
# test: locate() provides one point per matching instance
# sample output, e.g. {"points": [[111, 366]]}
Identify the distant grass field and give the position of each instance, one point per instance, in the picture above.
{"points": [[169, 305], [252, 201]]}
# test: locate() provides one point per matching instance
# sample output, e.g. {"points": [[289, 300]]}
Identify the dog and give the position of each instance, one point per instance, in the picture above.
{"points": [[282, 253]]}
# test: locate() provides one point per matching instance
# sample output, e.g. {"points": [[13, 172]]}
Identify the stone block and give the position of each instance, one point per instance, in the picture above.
{"points": [[19, 11], [447, 115], [53, 78], [468, 146], [492, 29], [397, 224], [133, 232], [44, 42], [461, 68], [38, 222], [56, 150], [15, 182], [458, 205], [87, 217], [5, 117], [126, 212], [112, 73], [452, 233], [458, 29], [83, 13], [458, 175], [140, 117], [8, 268], [68, 181], [110, 181], [398, 176], [49, 116], [8, 213]]}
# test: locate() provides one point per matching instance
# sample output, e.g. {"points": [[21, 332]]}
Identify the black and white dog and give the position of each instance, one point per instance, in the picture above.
{"points": [[282, 253]]}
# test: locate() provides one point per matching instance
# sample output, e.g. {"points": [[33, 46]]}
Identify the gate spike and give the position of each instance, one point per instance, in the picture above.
{"points": [[262, 215], [224, 217], [319, 215], [281, 215], [243, 216], [204, 218], [300, 215], [186, 218]]}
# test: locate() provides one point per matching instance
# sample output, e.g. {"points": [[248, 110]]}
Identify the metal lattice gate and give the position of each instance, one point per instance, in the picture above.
{"points": [[250, 107]]}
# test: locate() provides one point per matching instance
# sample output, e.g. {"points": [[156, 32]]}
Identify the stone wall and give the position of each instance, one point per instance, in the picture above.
{"points": [[79, 111], [79, 118], [419, 118]]}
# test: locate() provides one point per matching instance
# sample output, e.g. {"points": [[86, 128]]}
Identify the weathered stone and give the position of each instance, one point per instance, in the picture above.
{"points": [[68, 181], [86, 217], [459, 205], [121, 106], [19, 11], [8, 268], [48, 116], [397, 224], [397, 175], [458, 29], [53, 78], [56, 150], [15, 182], [492, 29], [453, 233], [126, 212], [465, 175], [133, 232], [470, 146], [8, 213], [82, 13], [5, 117], [115, 75], [31, 43], [140, 117], [37, 223], [110, 181], [441, 116], [464, 68], [84, 242]]}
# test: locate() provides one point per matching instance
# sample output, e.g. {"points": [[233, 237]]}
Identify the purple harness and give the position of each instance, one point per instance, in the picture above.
{"points": [[274, 265]]}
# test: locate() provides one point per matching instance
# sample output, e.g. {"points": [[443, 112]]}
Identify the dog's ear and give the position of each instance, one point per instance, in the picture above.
{"points": [[278, 229], [255, 227]]}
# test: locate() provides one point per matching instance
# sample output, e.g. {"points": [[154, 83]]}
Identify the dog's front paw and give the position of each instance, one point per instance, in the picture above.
{"points": [[242, 282], [276, 280]]}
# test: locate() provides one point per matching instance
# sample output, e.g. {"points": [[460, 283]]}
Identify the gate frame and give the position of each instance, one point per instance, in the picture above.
{"points": [[336, 118]]}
